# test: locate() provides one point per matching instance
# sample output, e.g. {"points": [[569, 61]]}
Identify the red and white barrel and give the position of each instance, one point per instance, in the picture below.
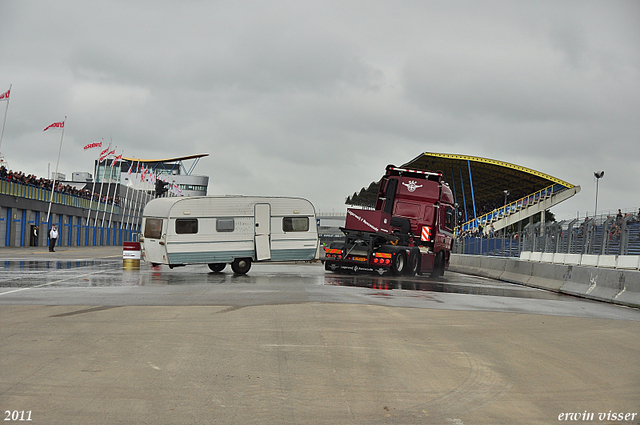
{"points": [[131, 255]]}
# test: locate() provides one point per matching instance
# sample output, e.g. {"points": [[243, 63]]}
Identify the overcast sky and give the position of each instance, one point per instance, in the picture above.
{"points": [[314, 99]]}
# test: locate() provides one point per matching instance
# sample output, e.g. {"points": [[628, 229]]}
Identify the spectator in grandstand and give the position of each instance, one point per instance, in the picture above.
{"points": [[31, 180], [583, 227]]}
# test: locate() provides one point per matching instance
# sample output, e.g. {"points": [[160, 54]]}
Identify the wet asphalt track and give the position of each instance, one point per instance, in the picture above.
{"points": [[83, 341]]}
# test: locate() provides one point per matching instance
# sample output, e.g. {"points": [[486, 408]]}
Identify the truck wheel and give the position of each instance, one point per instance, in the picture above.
{"points": [[438, 265], [398, 263], [217, 267], [241, 265], [413, 264]]}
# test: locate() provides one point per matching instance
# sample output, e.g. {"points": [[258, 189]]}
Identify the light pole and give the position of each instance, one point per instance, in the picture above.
{"points": [[598, 175]]}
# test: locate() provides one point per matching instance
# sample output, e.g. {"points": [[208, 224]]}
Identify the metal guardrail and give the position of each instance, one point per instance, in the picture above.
{"points": [[22, 190], [605, 235]]}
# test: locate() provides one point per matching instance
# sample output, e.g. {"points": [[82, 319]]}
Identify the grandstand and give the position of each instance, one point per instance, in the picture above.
{"points": [[488, 191], [104, 211]]}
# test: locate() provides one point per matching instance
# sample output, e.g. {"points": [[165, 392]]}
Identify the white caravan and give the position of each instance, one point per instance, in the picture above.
{"points": [[221, 230]]}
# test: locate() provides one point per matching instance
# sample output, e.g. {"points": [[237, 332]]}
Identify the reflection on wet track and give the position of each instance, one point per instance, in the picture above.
{"points": [[103, 282], [101, 273]]}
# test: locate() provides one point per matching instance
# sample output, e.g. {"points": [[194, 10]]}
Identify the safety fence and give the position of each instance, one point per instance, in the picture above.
{"points": [[605, 235]]}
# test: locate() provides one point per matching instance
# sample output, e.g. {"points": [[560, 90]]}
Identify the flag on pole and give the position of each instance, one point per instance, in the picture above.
{"points": [[130, 169], [93, 145], [117, 158], [55, 125], [103, 154], [5, 95]]}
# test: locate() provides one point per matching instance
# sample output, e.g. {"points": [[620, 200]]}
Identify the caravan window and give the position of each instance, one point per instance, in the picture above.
{"points": [[153, 228], [225, 225], [295, 224], [186, 225]]}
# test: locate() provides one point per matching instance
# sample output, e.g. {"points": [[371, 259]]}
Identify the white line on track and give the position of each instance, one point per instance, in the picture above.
{"points": [[51, 283]]}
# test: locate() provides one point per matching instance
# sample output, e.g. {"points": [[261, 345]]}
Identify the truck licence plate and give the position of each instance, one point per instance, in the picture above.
{"points": [[359, 259]]}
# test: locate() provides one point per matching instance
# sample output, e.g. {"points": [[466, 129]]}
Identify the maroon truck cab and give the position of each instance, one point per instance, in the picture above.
{"points": [[410, 231]]}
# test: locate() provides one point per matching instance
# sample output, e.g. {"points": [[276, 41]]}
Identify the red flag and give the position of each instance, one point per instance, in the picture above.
{"points": [[103, 154], [5, 96], [55, 125], [93, 145], [117, 158]]}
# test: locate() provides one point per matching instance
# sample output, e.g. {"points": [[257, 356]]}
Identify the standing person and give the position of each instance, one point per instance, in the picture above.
{"points": [[53, 238]]}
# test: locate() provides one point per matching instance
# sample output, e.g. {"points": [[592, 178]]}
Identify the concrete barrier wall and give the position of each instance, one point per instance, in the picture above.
{"points": [[626, 262], [598, 283]]}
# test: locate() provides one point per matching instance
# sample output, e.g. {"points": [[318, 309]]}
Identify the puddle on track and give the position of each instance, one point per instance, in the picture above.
{"points": [[22, 273], [450, 283]]}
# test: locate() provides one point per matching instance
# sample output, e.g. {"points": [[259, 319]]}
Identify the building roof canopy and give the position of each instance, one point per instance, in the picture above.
{"points": [[490, 178]]}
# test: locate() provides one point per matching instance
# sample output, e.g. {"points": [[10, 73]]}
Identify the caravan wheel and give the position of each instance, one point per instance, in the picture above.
{"points": [[217, 267], [241, 265]]}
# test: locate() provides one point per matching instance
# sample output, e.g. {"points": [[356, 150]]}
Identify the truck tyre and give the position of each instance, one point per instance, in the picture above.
{"points": [[438, 265], [217, 267], [413, 264], [241, 265], [398, 263]]}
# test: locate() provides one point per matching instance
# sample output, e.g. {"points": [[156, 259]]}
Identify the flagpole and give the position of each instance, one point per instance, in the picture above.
{"points": [[134, 201], [104, 213], [53, 186], [5, 118], [93, 188], [100, 196], [114, 193], [126, 201], [142, 195]]}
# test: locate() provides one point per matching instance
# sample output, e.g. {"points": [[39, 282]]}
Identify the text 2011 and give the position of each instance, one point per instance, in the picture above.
{"points": [[17, 415]]}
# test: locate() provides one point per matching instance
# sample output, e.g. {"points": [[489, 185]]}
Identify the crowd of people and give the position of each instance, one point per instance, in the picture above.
{"points": [[32, 180], [616, 228]]}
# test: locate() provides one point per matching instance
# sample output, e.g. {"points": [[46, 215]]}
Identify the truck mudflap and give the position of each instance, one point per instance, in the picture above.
{"points": [[339, 266]]}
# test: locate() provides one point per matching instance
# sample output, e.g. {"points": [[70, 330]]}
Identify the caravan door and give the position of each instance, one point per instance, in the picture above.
{"points": [[154, 232], [263, 231]]}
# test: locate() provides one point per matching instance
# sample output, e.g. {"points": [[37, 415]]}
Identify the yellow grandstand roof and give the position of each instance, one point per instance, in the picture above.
{"points": [[178, 158], [490, 178]]}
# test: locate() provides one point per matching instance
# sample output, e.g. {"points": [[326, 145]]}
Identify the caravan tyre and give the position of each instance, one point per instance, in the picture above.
{"points": [[217, 267], [241, 265]]}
